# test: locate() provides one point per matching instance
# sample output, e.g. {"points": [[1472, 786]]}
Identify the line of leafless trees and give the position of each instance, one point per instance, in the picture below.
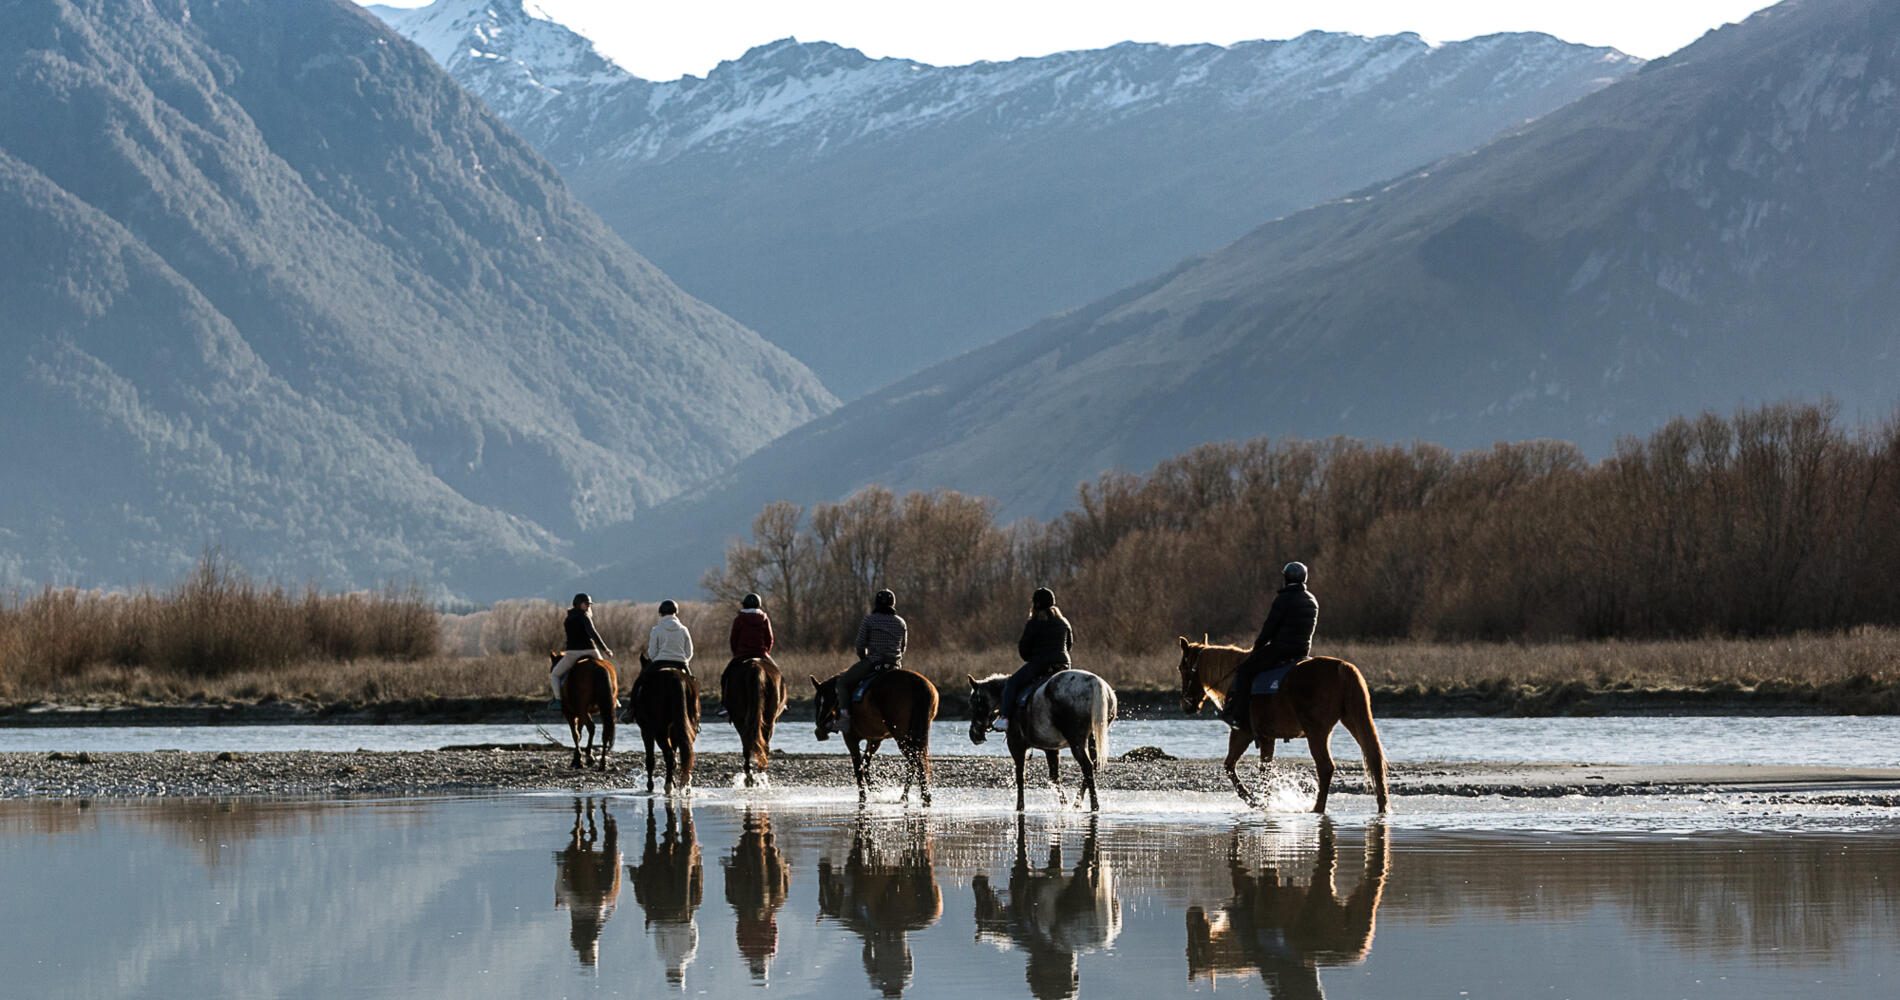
{"points": [[1775, 520]]}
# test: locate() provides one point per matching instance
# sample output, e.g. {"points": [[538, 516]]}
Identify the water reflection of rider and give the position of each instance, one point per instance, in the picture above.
{"points": [[883, 892], [587, 879], [668, 883], [757, 882], [1287, 931], [1052, 914]]}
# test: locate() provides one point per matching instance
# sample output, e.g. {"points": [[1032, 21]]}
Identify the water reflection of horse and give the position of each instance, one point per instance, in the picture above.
{"points": [[757, 883], [898, 705], [669, 883], [666, 707], [1052, 914], [886, 888], [590, 689], [1287, 931], [1317, 695], [587, 879]]}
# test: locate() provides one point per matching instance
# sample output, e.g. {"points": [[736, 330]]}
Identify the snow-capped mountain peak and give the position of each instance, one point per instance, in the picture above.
{"points": [[522, 56]]}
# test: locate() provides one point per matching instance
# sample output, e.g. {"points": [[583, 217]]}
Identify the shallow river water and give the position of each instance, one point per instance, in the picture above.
{"points": [[1850, 741], [796, 893]]}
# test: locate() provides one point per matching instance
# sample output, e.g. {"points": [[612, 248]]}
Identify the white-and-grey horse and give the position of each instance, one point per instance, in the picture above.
{"points": [[1072, 709]]}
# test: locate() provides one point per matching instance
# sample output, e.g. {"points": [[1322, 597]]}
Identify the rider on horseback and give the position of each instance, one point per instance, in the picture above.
{"points": [[669, 644], [882, 638], [1286, 637], [583, 640], [1044, 648], [751, 639]]}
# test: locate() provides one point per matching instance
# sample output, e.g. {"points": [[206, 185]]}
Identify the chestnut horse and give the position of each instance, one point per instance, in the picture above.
{"points": [[1317, 695], [589, 689], [753, 692], [666, 706], [897, 705]]}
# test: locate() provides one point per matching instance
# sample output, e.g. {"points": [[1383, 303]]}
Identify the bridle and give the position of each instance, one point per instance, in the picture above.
{"points": [[980, 726], [1191, 678]]}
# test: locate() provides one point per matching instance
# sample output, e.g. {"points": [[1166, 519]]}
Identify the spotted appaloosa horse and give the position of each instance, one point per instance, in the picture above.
{"points": [[589, 689], [1071, 709], [1317, 695], [897, 705]]}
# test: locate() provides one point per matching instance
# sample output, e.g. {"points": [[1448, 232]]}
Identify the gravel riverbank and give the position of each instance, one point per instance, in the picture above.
{"points": [[172, 773]]}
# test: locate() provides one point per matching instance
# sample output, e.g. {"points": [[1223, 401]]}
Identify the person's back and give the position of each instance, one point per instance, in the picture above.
{"points": [[881, 640], [751, 631], [669, 643], [1047, 638], [1285, 637]]}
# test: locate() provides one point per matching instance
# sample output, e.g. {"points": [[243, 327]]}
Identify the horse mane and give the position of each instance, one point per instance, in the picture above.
{"points": [[991, 679], [1214, 647]]}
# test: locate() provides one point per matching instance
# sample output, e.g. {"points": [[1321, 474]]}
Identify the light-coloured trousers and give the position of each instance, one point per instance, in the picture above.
{"points": [[565, 664]]}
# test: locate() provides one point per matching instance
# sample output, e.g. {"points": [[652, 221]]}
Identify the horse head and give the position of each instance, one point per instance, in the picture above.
{"points": [[1193, 691], [984, 706], [825, 704]]}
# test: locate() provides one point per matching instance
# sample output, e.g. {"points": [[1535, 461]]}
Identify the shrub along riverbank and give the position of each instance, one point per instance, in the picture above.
{"points": [[1855, 673]]}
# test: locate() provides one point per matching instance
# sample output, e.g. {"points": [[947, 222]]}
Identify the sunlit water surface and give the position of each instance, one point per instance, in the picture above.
{"points": [[796, 892], [1833, 741]]}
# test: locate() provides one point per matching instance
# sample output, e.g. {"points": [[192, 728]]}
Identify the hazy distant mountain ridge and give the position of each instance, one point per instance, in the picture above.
{"points": [[274, 280], [873, 215], [1714, 231]]}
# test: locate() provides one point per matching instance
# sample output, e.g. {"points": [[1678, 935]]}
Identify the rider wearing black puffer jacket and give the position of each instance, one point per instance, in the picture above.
{"points": [[1285, 637], [1044, 647]]}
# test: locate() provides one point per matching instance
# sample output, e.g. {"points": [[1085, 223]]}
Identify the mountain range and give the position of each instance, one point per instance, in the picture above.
{"points": [[273, 281], [1713, 231], [872, 216]]}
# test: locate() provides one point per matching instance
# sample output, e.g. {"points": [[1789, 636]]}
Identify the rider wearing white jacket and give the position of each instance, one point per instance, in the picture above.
{"points": [[670, 644]]}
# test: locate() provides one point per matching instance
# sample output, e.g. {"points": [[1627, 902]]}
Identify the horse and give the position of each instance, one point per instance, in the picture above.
{"points": [[590, 688], [1316, 695], [885, 890], [753, 692], [666, 706], [1071, 709], [897, 705], [758, 883]]}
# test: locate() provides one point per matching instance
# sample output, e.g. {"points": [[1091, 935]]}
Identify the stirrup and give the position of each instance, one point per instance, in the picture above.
{"points": [[999, 724]]}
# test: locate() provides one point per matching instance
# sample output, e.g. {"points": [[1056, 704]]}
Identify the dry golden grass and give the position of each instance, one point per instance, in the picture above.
{"points": [[1868, 659]]}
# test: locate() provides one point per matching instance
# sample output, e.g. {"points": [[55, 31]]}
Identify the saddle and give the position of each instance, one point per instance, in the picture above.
{"points": [[877, 669], [1268, 681], [1029, 690]]}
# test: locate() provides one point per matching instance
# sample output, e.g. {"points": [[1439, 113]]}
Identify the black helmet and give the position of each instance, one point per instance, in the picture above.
{"points": [[668, 608], [1043, 598], [580, 599], [1295, 572], [750, 601], [884, 600]]}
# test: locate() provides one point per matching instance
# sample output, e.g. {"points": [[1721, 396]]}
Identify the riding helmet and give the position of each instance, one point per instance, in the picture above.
{"points": [[751, 602], [1043, 598], [1295, 572], [580, 599], [668, 608], [884, 600]]}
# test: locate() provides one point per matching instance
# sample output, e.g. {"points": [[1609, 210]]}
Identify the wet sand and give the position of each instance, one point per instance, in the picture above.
{"points": [[173, 773]]}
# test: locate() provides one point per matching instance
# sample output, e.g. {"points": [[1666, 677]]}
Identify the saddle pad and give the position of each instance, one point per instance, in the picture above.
{"points": [[865, 684], [1268, 681]]}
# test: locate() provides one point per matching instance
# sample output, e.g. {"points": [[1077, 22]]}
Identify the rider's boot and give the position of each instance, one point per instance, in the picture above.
{"points": [[722, 710], [1000, 724]]}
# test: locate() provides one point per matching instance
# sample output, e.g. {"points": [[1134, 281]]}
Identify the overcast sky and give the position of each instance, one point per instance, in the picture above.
{"points": [[664, 39]]}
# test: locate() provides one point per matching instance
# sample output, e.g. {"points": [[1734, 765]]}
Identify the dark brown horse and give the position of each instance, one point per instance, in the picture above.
{"points": [[897, 705], [666, 707], [1287, 931], [669, 883], [758, 883], [754, 695], [589, 689], [885, 890], [1317, 695]]}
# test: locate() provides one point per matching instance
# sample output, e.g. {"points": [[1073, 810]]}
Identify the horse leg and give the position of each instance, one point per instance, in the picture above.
{"points": [[648, 740], [606, 733], [1084, 751], [857, 765], [1055, 776], [574, 731], [686, 766], [1321, 745], [922, 756], [1236, 748], [1356, 715]]}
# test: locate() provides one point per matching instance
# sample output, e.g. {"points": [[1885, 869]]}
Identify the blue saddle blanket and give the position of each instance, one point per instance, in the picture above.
{"points": [[1268, 681], [865, 685]]}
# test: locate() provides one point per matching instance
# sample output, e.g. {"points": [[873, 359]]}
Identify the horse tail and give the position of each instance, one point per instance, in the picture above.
{"points": [[753, 727], [1356, 714], [1102, 709]]}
